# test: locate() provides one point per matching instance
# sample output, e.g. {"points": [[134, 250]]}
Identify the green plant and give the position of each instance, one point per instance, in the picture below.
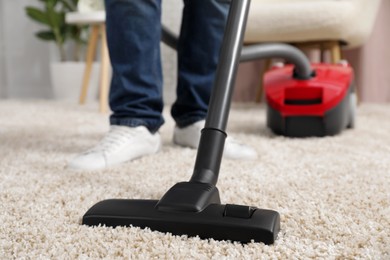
{"points": [[52, 15]]}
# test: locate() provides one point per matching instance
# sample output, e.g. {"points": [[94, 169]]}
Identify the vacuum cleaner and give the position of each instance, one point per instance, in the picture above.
{"points": [[322, 106], [305, 99], [194, 208]]}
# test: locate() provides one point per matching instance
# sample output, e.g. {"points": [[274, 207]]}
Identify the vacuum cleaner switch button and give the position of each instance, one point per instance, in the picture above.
{"points": [[238, 211]]}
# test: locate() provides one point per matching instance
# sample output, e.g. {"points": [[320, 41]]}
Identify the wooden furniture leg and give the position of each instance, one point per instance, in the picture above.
{"points": [[104, 72], [335, 51], [91, 53], [322, 52]]}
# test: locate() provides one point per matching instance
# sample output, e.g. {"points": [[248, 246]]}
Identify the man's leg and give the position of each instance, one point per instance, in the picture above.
{"points": [[199, 44], [201, 35], [133, 35]]}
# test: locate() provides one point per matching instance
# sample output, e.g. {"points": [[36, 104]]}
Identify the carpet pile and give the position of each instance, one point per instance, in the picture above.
{"points": [[333, 193]]}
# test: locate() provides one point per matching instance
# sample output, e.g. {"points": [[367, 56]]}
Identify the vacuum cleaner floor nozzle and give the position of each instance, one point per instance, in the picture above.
{"points": [[220, 222]]}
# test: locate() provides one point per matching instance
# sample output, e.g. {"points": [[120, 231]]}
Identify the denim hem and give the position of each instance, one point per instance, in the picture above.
{"points": [[188, 121], [134, 122]]}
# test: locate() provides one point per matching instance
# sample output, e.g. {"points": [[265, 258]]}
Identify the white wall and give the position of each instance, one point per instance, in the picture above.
{"points": [[2, 67], [24, 60]]}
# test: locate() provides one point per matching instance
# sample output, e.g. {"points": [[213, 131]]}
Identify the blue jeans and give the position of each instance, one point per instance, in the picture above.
{"points": [[133, 35]]}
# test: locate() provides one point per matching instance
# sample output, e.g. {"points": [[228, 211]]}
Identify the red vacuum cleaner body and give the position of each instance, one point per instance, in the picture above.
{"points": [[320, 106]]}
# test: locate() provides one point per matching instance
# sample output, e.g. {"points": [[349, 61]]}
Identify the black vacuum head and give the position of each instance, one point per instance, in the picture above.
{"points": [[220, 222]]}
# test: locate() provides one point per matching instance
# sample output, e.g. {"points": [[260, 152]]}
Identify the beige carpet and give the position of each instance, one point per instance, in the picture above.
{"points": [[333, 194]]}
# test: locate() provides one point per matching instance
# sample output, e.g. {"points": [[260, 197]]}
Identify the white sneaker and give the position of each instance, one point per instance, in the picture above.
{"points": [[120, 144], [189, 137]]}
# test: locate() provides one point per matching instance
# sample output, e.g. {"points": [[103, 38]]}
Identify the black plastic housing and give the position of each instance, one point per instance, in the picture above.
{"points": [[333, 122], [189, 197], [220, 222]]}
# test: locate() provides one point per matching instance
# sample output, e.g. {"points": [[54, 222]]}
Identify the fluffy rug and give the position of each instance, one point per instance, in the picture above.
{"points": [[333, 193]]}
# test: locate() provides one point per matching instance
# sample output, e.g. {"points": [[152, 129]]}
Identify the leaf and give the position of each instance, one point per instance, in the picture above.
{"points": [[37, 15], [46, 35], [56, 19], [75, 2], [68, 6], [53, 2]]}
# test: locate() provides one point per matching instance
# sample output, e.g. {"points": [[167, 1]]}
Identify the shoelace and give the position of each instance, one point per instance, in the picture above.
{"points": [[113, 139]]}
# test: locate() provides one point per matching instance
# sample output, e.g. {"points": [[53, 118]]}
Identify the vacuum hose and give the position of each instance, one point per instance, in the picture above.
{"points": [[279, 50], [259, 51]]}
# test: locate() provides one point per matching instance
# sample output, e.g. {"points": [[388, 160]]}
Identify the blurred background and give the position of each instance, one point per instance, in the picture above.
{"points": [[25, 60]]}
